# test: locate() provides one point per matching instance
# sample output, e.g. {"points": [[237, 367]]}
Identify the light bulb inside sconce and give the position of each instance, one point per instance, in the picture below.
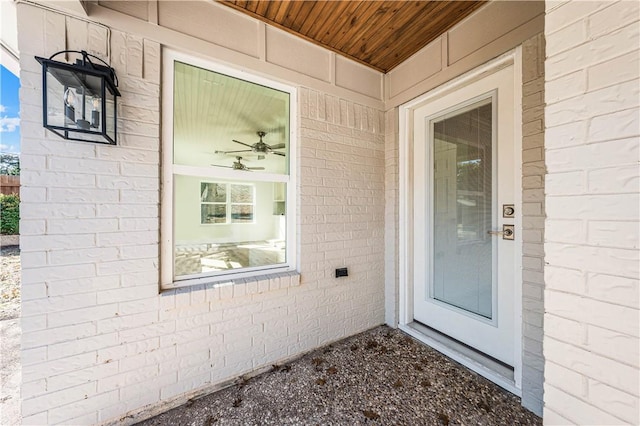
{"points": [[95, 113], [69, 97], [69, 106]]}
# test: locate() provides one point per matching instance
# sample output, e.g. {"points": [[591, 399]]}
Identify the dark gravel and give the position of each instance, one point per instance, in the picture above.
{"points": [[379, 377]]}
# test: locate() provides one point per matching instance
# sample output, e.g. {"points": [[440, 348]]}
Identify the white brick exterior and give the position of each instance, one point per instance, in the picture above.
{"points": [[592, 238], [99, 342]]}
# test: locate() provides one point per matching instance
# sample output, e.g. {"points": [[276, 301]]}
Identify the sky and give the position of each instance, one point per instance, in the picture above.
{"points": [[9, 112]]}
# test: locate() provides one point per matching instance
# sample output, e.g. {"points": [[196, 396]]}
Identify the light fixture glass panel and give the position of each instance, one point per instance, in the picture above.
{"points": [[56, 106], [110, 118]]}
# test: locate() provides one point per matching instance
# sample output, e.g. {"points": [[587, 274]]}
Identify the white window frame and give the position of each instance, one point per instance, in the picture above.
{"points": [[213, 174], [229, 203]]}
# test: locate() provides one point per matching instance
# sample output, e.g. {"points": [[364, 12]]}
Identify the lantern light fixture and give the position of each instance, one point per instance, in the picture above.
{"points": [[79, 100]]}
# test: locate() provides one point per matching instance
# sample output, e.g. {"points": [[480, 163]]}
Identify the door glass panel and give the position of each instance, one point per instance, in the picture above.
{"points": [[462, 200]]}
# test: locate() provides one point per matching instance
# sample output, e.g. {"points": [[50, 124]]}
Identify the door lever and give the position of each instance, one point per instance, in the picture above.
{"points": [[508, 232]]}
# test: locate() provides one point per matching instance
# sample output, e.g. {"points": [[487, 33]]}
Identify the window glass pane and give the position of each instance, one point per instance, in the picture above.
{"points": [[241, 194], [214, 236], [232, 127], [225, 122], [213, 192], [241, 213], [462, 200], [213, 213]]}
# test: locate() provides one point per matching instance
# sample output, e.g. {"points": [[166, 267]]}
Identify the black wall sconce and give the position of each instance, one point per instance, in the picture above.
{"points": [[79, 100]]}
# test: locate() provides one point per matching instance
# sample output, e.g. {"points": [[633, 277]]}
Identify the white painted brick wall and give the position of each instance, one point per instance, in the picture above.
{"points": [[98, 340], [592, 296]]}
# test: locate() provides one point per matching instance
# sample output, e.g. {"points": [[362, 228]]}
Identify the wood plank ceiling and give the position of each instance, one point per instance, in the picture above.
{"points": [[379, 34]]}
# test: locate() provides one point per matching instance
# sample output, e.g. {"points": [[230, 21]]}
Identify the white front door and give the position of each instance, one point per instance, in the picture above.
{"points": [[464, 179]]}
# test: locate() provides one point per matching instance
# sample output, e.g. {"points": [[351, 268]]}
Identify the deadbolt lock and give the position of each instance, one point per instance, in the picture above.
{"points": [[508, 210]]}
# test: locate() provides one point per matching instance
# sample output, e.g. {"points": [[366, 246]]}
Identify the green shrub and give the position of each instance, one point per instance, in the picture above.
{"points": [[9, 214]]}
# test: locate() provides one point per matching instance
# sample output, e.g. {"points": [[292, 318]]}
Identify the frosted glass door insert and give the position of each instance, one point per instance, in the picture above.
{"points": [[462, 202]]}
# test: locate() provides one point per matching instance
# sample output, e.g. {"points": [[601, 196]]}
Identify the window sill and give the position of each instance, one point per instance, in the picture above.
{"points": [[240, 286]]}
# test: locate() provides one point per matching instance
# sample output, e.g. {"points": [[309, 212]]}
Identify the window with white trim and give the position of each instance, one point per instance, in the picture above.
{"points": [[228, 198]]}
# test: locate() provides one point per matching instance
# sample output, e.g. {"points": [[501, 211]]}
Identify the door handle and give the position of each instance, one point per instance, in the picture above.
{"points": [[508, 232]]}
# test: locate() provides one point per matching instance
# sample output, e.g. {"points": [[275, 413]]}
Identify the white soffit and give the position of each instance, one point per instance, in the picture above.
{"points": [[9, 57]]}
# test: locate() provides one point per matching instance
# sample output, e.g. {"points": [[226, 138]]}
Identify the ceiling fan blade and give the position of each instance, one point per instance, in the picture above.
{"points": [[255, 168], [278, 146], [282, 154], [242, 143], [231, 152], [227, 167]]}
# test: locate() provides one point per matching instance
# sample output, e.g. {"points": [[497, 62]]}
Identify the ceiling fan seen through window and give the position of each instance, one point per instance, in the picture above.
{"points": [[261, 148], [239, 165]]}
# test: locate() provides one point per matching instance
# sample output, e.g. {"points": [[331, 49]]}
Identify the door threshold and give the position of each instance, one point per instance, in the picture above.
{"points": [[486, 366]]}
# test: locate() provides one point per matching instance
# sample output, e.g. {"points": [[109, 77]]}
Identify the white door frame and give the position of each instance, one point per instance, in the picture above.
{"points": [[405, 319]]}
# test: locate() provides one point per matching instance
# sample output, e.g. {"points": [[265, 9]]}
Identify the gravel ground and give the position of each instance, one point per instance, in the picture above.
{"points": [[9, 283], [379, 377], [10, 372], [10, 332]]}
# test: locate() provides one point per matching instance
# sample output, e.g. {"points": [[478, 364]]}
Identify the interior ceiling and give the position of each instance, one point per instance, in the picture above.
{"points": [[211, 110], [379, 34]]}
